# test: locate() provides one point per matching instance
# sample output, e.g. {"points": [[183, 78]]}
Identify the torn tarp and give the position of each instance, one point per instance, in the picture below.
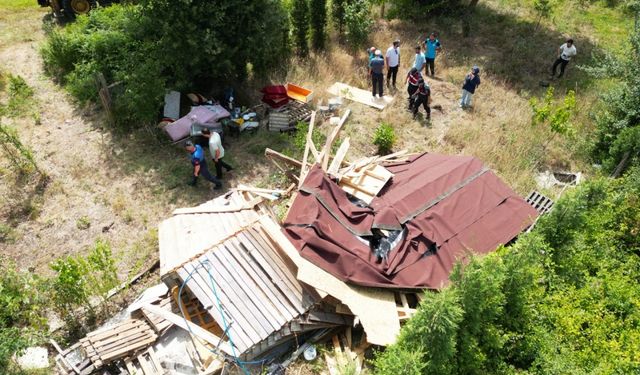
{"points": [[448, 206]]}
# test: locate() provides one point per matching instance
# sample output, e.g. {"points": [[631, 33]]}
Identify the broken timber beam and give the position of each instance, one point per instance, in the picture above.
{"points": [[336, 163], [191, 327], [275, 155], [307, 148]]}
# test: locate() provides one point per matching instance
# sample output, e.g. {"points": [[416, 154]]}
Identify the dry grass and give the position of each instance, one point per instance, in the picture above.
{"points": [[497, 130]]}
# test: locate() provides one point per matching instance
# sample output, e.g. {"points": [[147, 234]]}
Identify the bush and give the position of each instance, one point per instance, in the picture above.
{"points": [[384, 138]]}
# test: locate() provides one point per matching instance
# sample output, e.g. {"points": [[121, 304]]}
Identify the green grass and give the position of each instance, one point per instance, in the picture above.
{"points": [[18, 4]]}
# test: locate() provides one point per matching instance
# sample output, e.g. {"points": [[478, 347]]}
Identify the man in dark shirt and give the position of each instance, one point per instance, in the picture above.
{"points": [[413, 79], [471, 82], [422, 96], [376, 67], [199, 162]]}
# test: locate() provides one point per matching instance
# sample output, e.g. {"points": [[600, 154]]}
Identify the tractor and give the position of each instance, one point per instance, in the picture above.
{"points": [[71, 8]]}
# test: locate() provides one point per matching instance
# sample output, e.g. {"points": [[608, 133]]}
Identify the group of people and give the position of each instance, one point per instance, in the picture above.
{"points": [[198, 158], [418, 88]]}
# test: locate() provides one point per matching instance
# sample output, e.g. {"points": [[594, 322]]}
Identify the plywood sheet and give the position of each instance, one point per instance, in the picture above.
{"points": [[359, 95]]}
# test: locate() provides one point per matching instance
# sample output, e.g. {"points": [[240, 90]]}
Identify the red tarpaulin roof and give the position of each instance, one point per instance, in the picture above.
{"points": [[450, 204]]}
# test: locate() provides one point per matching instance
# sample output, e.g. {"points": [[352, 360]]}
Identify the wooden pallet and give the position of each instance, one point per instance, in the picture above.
{"points": [[289, 116], [158, 323], [541, 203], [110, 344], [145, 363]]}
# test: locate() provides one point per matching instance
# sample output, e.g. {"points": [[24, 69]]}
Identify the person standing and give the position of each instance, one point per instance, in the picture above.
{"points": [[393, 63], [565, 53], [376, 68], [431, 48], [422, 97], [471, 82], [419, 61], [217, 152], [199, 162], [372, 53], [413, 79]]}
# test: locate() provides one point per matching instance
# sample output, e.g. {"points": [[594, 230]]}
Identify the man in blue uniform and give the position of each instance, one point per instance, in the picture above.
{"points": [[431, 48], [199, 162]]}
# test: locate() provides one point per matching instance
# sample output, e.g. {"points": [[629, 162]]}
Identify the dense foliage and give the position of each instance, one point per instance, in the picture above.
{"points": [[337, 14], [618, 124], [300, 26], [21, 312], [318, 18], [564, 299], [358, 21], [162, 44]]}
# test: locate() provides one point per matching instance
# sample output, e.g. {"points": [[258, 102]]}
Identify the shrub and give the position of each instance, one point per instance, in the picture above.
{"points": [[20, 156], [384, 138]]}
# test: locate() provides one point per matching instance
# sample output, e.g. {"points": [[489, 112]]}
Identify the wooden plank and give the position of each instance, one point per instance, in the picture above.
{"points": [[261, 301], [193, 328], [263, 281], [233, 302], [326, 150], [282, 282], [217, 209], [110, 331], [154, 359], [272, 154], [203, 293], [307, 147], [123, 351], [246, 300], [62, 357], [359, 95], [336, 163], [147, 369], [130, 367]]}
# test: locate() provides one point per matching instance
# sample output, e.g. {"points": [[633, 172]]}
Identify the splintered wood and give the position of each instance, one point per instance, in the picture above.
{"points": [[118, 341]]}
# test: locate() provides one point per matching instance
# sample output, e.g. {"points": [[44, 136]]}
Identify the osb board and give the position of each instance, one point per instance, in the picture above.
{"points": [[375, 308], [359, 95], [366, 183]]}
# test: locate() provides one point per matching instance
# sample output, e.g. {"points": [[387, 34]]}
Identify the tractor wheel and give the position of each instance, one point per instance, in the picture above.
{"points": [[74, 7]]}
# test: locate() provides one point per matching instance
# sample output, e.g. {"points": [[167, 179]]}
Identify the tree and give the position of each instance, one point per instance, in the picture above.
{"points": [[318, 10], [300, 24], [543, 10], [620, 113], [337, 15], [358, 22]]}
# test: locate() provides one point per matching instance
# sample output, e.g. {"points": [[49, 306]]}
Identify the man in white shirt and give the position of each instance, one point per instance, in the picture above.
{"points": [[565, 53], [393, 62], [217, 151]]}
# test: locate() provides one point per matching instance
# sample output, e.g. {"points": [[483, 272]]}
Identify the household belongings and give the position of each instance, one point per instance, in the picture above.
{"points": [[202, 116], [275, 96]]}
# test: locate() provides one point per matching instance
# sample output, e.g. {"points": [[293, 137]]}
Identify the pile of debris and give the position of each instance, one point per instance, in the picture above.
{"points": [[360, 242]]}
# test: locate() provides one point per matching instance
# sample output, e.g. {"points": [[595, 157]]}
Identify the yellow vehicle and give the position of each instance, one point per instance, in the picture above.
{"points": [[71, 8]]}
